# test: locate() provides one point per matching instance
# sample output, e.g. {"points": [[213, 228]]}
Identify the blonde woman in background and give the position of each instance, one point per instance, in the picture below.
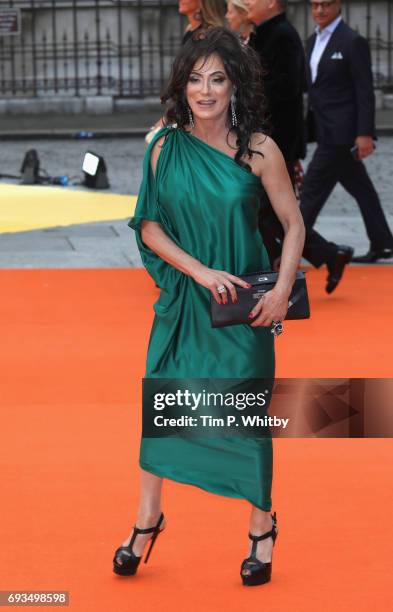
{"points": [[192, 10], [211, 14], [238, 20]]}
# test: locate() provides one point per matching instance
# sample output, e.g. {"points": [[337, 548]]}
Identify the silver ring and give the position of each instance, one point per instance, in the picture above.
{"points": [[277, 328], [221, 289]]}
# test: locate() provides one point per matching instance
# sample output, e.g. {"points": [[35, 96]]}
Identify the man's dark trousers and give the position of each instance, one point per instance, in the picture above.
{"points": [[332, 164]]}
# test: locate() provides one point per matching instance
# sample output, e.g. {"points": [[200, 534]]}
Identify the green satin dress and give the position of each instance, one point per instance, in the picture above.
{"points": [[208, 205]]}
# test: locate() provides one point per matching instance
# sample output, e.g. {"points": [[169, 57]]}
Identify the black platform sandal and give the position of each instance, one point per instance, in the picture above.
{"points": [[125, 562], [260, 572]]}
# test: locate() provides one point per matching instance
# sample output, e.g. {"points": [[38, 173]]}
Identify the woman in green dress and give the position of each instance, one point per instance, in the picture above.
{"points": [[196, 224]]}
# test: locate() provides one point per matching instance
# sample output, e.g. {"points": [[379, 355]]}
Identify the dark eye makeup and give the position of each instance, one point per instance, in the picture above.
{"points": [[220, 78]]}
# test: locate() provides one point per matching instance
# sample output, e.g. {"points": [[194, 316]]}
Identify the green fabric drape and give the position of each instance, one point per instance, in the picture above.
{"points": [[209, 206]]}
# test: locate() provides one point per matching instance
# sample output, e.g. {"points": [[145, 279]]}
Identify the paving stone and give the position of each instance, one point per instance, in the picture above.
{"points": [[57, 260], [86, 230], [26, 242]]}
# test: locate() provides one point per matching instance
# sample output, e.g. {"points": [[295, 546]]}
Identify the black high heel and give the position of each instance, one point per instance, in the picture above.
{"points": [[260, 572], [129, 561]]}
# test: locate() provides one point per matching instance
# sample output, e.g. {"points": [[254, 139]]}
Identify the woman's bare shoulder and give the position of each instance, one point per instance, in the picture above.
{"points": [[263, 143], [270, 153], [156, 149], [158, 144], [267, 154], [155, 152]]}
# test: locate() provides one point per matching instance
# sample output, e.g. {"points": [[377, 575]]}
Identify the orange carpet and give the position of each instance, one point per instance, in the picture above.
{"points": [[72, 355]]}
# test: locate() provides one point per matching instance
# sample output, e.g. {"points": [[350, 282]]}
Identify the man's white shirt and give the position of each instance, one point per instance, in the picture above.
{"points": [[321, 41]]}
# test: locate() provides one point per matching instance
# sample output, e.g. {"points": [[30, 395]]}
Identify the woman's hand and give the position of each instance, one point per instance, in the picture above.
{"points": [[211, 279], [273, 306]]}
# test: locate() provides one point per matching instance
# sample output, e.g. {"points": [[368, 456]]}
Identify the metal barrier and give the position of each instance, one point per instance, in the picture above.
{"points": [[83, 47], [125, 48]]}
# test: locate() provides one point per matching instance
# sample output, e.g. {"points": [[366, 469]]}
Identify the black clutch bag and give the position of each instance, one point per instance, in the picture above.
{"points": [[236, 314]]}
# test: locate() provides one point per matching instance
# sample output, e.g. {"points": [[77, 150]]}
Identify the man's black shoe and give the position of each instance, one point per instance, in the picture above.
{"points": [[336, 267], [373, 256]]}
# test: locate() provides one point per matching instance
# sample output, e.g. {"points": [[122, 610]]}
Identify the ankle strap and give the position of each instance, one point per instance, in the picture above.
{"points": [[138, 530], [150, 529], [268, 534]]}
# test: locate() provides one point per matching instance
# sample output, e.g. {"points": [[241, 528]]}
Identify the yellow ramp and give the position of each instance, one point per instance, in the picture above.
{"points": [[30, 207]]}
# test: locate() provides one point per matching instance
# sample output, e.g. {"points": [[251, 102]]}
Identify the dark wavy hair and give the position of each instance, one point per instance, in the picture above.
{"points": [[244, 70]]}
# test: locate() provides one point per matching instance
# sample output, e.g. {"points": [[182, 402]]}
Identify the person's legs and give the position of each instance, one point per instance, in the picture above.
{"points": [[319, 181], [354, 178], [149, 510], [317, 250]]}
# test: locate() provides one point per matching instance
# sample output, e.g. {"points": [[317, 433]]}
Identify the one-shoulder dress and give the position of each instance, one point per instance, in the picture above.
{"points": [[208, 205]]}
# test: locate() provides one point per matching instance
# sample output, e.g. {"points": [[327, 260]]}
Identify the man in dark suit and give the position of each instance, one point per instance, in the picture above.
{"points": [[281, 51], [342, 113]]}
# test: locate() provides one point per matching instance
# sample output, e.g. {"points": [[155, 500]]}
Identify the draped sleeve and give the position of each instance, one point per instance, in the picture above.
{"points": [[148, 209]]}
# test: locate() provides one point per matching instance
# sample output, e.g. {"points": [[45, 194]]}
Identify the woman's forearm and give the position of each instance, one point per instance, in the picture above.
{"points": [[291, 254], [158, 241]]}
